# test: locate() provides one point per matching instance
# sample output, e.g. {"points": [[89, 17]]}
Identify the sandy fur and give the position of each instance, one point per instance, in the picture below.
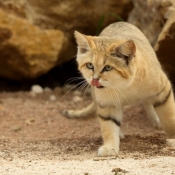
{"points": [[131, 81]]}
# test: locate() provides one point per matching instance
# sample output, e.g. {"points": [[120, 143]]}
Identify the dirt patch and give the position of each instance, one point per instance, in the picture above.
{"points": [[36, 139]]}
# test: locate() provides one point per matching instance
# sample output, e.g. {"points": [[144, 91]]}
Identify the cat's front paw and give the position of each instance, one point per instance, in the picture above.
{"points": [[67, 113], [104, 151]]}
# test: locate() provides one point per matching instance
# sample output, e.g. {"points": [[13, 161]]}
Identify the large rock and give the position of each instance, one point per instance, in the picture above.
{"points": [[81, 15], [35, 50], [15, 7], [165, 47], [156, 18], [69, 15], [25, 50], [150, 16]]}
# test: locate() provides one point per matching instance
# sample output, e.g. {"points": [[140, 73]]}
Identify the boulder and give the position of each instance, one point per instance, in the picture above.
{"points": [[26, 51], [170, 143], [156, 19], [83, 16], [14, 7], [165, 47], [150, 16]]}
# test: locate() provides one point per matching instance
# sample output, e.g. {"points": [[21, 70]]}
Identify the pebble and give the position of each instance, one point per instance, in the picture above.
{"points": [[77, 99], [29, 121], [78, 93], [69, 86], [47, 89], [170, 143], [37, 89], [52, 98]]}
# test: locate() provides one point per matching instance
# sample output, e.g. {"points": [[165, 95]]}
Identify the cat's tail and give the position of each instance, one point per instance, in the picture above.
{"points": [[85, 113]]}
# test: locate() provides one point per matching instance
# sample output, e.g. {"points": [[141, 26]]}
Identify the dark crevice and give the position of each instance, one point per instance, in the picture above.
{"points": [[57, 77]]}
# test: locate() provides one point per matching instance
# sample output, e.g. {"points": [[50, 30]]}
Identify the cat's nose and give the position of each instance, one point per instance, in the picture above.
{"points": [[95, 76]]}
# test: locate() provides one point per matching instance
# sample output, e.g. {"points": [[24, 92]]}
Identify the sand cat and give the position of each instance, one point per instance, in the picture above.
{"points": [[121, 67]]}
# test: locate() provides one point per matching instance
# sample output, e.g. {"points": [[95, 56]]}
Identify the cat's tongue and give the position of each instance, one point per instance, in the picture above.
{"points": [[95, 82]]}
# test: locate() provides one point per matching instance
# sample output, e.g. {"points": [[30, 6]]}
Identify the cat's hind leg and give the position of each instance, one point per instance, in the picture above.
{"points": [[152, 115], [165, 108]]}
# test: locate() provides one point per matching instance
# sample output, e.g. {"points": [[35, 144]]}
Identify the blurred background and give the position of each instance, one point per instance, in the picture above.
{"points": [[37, 44]]}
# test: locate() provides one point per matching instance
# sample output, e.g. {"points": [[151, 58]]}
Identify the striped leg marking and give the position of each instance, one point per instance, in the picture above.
{"points": [[110, 119]]}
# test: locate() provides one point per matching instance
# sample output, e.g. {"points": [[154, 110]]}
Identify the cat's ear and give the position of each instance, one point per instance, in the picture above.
{"points": [[125, 51], [83, 45]]}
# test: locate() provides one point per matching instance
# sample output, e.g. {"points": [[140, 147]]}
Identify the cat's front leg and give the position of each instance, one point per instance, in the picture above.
{"points": [[86, 112], [109, 119]]}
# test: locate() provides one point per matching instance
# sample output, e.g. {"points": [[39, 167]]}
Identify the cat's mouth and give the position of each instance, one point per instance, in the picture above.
{"points": [[95, 82], [99, 87]]}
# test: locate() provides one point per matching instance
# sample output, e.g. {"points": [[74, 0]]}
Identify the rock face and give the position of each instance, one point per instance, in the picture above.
{"points": [[156, 19], [69, 15], [81, 15], [25, 50], [150, 16], [165, 47]]}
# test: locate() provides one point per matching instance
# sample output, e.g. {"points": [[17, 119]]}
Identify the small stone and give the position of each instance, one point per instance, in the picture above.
{"points": [[47, 89], [77, 99], [170, 143], [69, 86], [16, 129], [171, 149], [119, 171], [78, 93], [37, 89], [73, 132], [29, 121], [52, 98]]}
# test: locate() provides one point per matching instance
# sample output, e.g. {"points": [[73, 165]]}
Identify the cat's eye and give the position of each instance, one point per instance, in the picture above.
{"points": [[89, 65], [107, 68]]}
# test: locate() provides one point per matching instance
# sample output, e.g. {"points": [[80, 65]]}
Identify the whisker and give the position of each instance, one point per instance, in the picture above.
{"points": [[80, 88], [73, 79], [87, 85], [115, 93], [72, 89], [119, 92], [123, 96], [111, 93]]}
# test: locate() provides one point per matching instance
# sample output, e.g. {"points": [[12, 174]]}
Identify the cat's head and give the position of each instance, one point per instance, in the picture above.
{"points": [[106, 62]]}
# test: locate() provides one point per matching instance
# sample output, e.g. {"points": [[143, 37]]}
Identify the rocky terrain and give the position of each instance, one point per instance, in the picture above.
{"points": [[35, 139], [37, 56]]}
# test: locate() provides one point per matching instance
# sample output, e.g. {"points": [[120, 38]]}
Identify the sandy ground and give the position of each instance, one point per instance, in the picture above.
{"points": [[36, 140]]}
